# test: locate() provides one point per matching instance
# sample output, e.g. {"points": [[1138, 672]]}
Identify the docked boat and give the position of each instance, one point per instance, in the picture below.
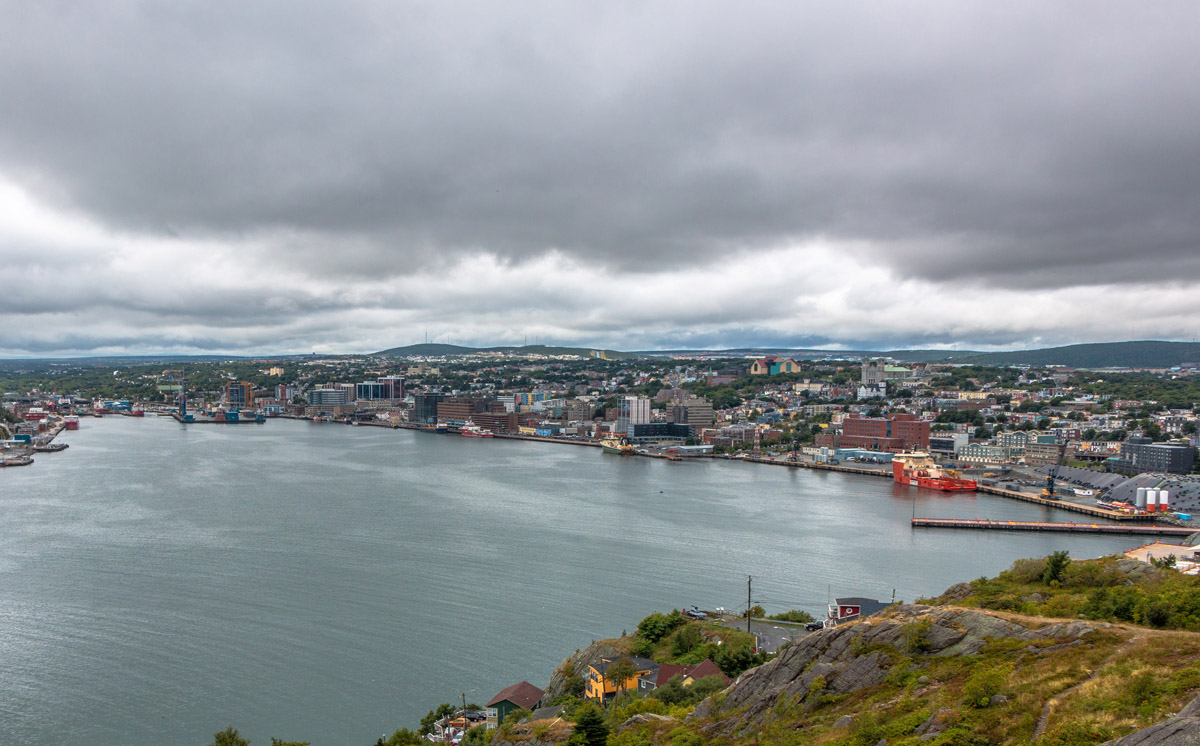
{"points": [[71, 422], [920, 470], [617, 444], [51, 447], [471, 430], [16, 461]]}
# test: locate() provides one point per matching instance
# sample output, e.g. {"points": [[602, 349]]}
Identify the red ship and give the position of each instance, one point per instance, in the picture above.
{"points": [[919, 470], [471, 430]]}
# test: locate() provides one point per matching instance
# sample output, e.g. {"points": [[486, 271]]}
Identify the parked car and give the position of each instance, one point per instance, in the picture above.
{"points": [[814, 626]]}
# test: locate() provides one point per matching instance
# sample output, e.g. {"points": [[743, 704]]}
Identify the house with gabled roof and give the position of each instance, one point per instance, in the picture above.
{"points": [[600, 686], [521, 695], [689, 674]]}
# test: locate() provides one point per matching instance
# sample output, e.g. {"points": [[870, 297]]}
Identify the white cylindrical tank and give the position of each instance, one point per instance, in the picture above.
{"points": [[1152, 501], [1140, 501], [1164, 501]]}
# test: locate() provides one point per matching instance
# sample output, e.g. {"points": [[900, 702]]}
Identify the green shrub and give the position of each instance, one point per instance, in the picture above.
{"points": [[1056, 564], [916, 636], [1076, 734], [1155, 613], [984, 684], [657, 626], [685, 737], [686, 639], [642, 647], [1091, 575], [795, 615], [1026, 571]]}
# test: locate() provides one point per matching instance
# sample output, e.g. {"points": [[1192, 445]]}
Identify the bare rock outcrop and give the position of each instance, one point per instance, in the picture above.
{"points": [[847, 659], [1181, 730]]}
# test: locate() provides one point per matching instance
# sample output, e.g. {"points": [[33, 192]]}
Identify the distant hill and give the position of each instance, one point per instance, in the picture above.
{"points": [[438, 350], [426, 350], [1142, 354], [907, 356]]}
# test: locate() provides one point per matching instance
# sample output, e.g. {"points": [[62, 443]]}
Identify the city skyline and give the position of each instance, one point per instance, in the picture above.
{"points": [[299, 178]]}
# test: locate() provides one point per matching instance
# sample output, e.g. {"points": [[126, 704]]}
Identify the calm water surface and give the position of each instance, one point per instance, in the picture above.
{"points": [[159, 582]]}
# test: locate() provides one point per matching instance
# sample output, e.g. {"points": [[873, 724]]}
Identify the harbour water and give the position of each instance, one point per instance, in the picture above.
{"points": [[159, 582]]}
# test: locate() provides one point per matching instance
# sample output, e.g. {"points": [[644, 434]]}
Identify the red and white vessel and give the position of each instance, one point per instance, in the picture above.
{"points": [[920, 470], [71, 422], [471, 430]]}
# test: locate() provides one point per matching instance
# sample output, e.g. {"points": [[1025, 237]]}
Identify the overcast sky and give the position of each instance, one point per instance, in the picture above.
{"points": [[292, 176]]}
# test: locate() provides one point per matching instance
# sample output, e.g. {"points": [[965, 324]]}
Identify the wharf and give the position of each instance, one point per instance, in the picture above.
{"points": [[1097, 512], [1075, 528], [585, 444], [865, 471]]}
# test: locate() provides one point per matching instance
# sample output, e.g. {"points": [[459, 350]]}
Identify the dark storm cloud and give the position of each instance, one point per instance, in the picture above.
{"points": [[1022, 143]]}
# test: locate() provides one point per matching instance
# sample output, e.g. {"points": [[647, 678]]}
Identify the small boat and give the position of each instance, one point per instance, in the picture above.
{"points": [[471, 430], [16, 461], [51, 447]]}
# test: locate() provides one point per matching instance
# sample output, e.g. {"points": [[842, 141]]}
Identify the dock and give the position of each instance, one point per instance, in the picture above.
{"points": [[1071, 528], [1094, 511], [864, 471]]}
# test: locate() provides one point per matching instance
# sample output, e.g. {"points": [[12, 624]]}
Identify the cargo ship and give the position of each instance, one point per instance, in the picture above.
{"points": [[919, 470], [617, 444], [471, 430], [71, 422]]}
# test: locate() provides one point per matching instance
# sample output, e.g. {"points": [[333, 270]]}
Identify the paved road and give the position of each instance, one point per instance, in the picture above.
{"points": [[771, 635]]}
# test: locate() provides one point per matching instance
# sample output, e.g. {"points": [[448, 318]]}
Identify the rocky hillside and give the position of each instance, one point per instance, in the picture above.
{"points": [[1051, 653], [960, 676]]}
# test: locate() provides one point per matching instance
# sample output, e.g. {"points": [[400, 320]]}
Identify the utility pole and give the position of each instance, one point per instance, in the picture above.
{"points": [[748, 580]]}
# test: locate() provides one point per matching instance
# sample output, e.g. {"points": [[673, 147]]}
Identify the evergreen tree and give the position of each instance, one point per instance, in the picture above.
{"points": [[590, 728]]}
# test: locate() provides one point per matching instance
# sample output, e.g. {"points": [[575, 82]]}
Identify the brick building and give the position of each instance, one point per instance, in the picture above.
{"points": [[898, 432]]}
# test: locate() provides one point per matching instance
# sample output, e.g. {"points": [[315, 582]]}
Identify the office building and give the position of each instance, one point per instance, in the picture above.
{"points": [[239, 394]]}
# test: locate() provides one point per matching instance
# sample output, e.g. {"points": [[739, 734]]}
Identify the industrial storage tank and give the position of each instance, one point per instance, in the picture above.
{"points": [[1140, 500], [1164, 501], [1152, 500]]}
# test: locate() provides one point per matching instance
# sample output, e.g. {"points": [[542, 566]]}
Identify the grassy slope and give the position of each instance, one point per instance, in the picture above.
{"points": [[1120, 678]]}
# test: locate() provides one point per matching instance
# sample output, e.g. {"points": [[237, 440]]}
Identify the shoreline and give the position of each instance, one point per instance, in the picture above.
{"points": [[1094, 512]]}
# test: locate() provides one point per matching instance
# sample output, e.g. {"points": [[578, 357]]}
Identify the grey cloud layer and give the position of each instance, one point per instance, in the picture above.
{"points": [[392, 159], [954, 138]]}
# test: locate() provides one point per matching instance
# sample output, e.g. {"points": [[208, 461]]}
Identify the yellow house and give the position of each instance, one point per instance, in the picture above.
{"points": [[600, 686]]}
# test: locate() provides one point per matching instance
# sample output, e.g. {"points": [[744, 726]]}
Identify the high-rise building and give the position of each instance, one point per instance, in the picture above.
{"points": [[239, 394], [393, 387], [693, 411], [327, 398], [425, 407], [370, 390], [632, 410]]}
